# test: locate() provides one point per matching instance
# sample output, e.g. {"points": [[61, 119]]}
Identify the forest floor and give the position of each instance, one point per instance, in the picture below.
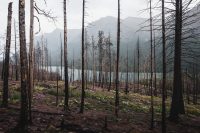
{"points": [[98, 117]]}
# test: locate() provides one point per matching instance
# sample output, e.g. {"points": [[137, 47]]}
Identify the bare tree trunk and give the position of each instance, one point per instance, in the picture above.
{"points": [[24, 68], [110, 65], [61, 56], [31, 56], [57, 75], [138, 61], [3, 66], [73, 68], [134, 73], [151, 78], [7, 58], [93, 58], [155, 75], [164, 69], [83, 78], [16, 59], [117, 63], [127, 80], [65, 60], [177, 105]]}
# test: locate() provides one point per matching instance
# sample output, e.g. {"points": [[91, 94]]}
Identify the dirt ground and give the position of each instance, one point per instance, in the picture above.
{"points": [[48, 118]]}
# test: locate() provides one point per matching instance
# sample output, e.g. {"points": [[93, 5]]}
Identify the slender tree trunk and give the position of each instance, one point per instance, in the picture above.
{"points": [[7, 58], [93, 58], [155, 75], [164, 69], [83, 77], [61, 56], [117, 63], [65, 60], [110, 65], [16, 59], [31, 63], [134, 73], [3, 66], [127, 73], [57, 75], [24, 68], [138, 61], [151, 78]]}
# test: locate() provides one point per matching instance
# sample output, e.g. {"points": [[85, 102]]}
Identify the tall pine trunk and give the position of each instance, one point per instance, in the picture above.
{"points": [[24, 68], [31, 57], [83, 65], [117, 63], [16, 58], [65, 60], [177, 105], [151, 67], [164, 69], [7, 58]]}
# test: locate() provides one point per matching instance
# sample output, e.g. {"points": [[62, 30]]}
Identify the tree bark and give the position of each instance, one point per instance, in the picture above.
{"points": [[31, 57], [83, 65], [16, 59], [151, 67], [164, 69], [7, 58], [117, 63], [65, 60], [177, 105], [24, 68]]}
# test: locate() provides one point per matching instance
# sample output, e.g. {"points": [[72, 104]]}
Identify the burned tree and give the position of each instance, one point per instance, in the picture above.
{"points": [[117, 63], [24, 68], [7, 58], [65, 60], [83, 68], [164, 69], [177, 105]]}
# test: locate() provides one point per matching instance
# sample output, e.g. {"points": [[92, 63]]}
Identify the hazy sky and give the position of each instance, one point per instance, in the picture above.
{"points": [[95, 10]]}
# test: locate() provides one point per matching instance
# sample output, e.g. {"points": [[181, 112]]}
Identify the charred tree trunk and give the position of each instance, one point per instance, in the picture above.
{"points": [[93, 59], [83, 78], [65, 60], [151, 67], [134, 73], [57, 77], [110, 65], [117, 63], [126, 91], [7, 58], [31, 57], [164, 69], [138, 63], [155, 75], [177, 105], [24, 68], [16, 59], [61, 56]]}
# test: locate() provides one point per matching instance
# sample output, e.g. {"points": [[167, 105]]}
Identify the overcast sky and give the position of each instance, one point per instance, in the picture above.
{"points": [[96, 9]]}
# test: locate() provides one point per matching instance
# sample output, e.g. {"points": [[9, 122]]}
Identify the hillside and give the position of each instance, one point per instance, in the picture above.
{"points": [[108, 24]]}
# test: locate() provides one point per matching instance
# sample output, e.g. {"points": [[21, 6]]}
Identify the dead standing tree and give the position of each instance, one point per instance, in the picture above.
{"points": [[177, 106], [164, 69], [83, 67], [65, 59], [151, 66], [24, 69], [16, 54], [7, 58], [47, 14], [117, 63]]}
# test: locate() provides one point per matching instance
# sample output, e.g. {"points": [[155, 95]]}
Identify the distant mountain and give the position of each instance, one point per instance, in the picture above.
{"points": [[129, 35]]}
